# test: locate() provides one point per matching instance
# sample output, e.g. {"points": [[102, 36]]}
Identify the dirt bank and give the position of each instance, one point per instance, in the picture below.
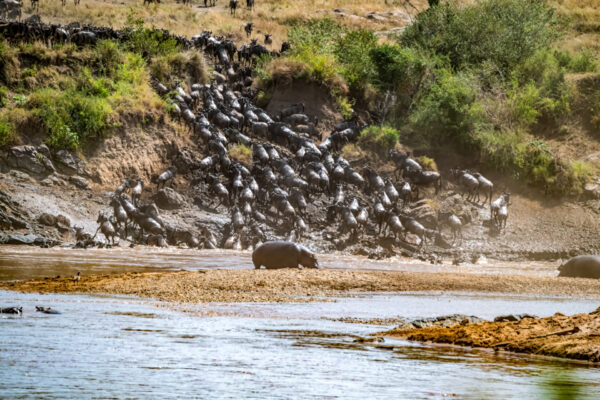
{"points": [[299, 285], [576, 336]]}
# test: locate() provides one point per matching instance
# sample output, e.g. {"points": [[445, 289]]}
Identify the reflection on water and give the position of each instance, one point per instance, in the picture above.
{"points": [[24, 262], [126, 347]]}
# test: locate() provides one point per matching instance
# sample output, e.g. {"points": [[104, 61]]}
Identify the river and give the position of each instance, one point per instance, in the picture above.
{"points": [[118, 346]]}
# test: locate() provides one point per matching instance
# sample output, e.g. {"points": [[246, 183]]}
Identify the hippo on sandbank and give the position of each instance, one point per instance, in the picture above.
{"points": [[280, 254], [585, 266]]}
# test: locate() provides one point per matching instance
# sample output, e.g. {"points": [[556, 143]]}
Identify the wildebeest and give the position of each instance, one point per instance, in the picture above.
{"points": [[232, 6], [452, 221], [468, 183], [497, 205], [250, 4], [165, 177], [248, 28], [486, 186], [136, 191], [107, 228], [10, 9], [268, 39], [404, 161], [151, 1], [424, 178]]}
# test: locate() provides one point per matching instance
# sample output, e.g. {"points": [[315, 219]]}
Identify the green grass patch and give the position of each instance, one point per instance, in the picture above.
{"points": [[378, 139]]}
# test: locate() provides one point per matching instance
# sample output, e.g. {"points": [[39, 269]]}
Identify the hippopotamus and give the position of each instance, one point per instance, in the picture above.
{"points": [[280, 254], [586, 266]]}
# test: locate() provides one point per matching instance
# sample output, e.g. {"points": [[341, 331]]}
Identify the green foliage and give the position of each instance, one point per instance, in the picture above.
{"points": [[352, 51], [149, 42], [318, 36], [398, 68], [242, 154], [504, 32], [20, 99], [71, 116], [108, 57], [8, 62], [3, 96], [582, 61], [7, 131], [378, 139], [449, 109]]}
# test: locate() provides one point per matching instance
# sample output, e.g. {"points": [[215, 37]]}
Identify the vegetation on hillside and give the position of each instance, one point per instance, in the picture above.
{"points": [[77, 95], [486, 80]]}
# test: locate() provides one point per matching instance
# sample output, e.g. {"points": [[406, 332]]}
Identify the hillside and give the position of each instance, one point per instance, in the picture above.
{"points": [[526, 116]]}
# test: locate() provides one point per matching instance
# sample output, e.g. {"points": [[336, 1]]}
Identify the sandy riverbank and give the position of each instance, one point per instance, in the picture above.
{"points": [[293, 285], [576, 336]]}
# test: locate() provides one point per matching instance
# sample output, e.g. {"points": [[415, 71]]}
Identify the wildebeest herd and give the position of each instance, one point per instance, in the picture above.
{"points": [[297, 182]]}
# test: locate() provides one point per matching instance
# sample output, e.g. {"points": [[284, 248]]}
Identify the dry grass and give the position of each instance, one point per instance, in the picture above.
{"points": [[292, 285], [562, 336], [242, 154], [271, 16]]}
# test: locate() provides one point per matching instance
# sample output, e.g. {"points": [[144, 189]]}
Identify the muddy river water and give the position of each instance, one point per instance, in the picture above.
{"points": [[125, 347]]}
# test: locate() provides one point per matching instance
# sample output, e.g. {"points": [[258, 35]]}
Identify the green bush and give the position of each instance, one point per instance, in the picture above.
{"points": [[352, 51], [378, 139], [149, 42], [318, 36], [70, 116], [582, 61], [504, 32], [3, 96], [108, 57], [7, 131], [449, 109]]}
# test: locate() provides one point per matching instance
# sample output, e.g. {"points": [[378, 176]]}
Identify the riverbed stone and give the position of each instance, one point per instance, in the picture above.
{"points": [[168, 199], [446, 321], [79, 181], [28, 158]]}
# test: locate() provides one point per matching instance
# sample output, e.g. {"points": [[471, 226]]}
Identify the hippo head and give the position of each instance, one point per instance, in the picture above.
{"points": [[307, 258]]}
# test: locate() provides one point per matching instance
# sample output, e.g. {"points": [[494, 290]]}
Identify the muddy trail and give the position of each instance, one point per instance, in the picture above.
{"points": [[184, 181]]}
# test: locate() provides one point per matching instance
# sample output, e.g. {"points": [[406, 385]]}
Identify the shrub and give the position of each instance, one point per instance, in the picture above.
{"points": [[109, 57], [317, 36], [449, 109], [504, 32], [378, 139], [582, 61], [352, 51], [3, 96], [7, 131], [149, 42]]}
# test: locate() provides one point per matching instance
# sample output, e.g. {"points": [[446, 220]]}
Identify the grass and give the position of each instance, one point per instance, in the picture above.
{"points": [[241, 153], [80, 95], [269, 16]]}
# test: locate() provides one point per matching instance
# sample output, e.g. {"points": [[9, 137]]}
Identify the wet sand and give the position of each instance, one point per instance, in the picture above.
{"points": [[292, 285], [576, 336]]}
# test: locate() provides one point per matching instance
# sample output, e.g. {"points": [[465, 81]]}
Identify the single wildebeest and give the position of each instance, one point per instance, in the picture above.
{"points": [[468, 183], [268, 39], [46, 310], [486, 186], [136, 191], [248, 28], [585, 266], [503, 200], [280, 254], [451, 220], [165, 177], [11, 310], [293, 109], [107, 228], [119, 213], [232, 6]]}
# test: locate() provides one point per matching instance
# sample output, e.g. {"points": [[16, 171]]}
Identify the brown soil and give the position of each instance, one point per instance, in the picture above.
{"points": [[292, 285], [576, 336]]}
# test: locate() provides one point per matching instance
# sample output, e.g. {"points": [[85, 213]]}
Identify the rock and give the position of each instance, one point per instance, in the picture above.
{"points": [[168, 199], [79, 181], [425, 214], [513, 317], [376, 17], [446, 321], [592, 190], [70, 164], [63, 223], [47, 219], [36, 240], [376, 339], [29, 159]]}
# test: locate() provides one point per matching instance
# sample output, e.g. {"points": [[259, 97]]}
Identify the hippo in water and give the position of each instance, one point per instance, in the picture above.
{"points": [[282, 254], [586, 266]]}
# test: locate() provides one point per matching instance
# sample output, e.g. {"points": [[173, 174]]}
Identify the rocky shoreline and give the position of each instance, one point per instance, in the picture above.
{"points": [[576, 336]]}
